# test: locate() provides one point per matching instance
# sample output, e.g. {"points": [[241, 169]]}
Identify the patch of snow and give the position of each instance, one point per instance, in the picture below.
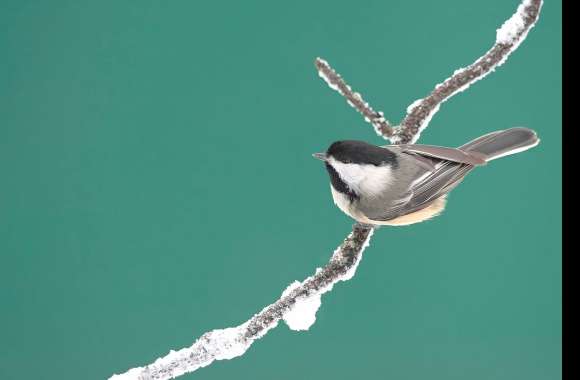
{"points": [[303, 315], [416, 103], [513, 27], [215, 345]]}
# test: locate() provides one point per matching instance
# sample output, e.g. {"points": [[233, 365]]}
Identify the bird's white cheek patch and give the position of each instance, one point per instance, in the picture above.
{"points": [[364, 179], [377, 180]]}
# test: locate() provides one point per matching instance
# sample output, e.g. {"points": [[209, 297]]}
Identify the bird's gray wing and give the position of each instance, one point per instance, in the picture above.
{"points": [[444, 153], [448, 175], [441, 169]]}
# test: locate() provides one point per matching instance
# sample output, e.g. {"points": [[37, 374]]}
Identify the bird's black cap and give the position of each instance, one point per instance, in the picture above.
{"points": [[360, 152]]}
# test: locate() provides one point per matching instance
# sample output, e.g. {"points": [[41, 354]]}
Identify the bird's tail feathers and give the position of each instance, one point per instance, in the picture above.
{"points": [[502, 143]]}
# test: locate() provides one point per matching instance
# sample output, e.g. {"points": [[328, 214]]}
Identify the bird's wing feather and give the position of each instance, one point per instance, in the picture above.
{"points": [[443, 153], [440, 182], [448, 168]]}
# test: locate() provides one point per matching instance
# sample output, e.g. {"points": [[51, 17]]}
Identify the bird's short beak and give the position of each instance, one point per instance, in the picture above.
{"points": [[320, 156]]}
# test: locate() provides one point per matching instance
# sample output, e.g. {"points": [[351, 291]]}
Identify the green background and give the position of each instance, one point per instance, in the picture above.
{"points": [[157, 183]]}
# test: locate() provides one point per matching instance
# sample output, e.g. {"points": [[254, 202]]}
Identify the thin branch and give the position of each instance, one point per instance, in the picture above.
{"points": [[341, 267], [232, 342], [509, 37], [335, 81], [300, 301], [419, 114]]}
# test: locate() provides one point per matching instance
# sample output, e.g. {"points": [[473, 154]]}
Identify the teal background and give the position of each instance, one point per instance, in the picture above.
{"points": [[157, 183]]}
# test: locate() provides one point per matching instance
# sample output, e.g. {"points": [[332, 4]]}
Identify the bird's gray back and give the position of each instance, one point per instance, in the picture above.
{"points": [[418, 181]]}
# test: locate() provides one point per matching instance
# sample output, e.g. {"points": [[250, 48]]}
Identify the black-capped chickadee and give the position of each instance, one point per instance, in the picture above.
{"points": [[405, 184]]}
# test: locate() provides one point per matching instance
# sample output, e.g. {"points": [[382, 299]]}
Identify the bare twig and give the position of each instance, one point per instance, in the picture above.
{"points": [[298, 297], [335, 81]]}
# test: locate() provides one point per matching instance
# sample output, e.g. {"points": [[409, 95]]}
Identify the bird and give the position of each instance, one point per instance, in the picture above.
{"points": [[404, 184]]}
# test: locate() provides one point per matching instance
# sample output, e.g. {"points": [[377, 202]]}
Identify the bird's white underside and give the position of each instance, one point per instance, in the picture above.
{"points": [[343, 202]]}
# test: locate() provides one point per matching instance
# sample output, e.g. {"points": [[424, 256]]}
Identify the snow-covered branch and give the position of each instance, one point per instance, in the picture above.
{"points": [[335, 81], [297, 306], [300, 301], [419, 114], [508, 38]]}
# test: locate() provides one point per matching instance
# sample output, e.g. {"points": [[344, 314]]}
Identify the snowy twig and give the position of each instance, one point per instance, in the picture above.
{"points": [[335, 81], [419, 114], [508, 38], [297, 306], [300, 301]]}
